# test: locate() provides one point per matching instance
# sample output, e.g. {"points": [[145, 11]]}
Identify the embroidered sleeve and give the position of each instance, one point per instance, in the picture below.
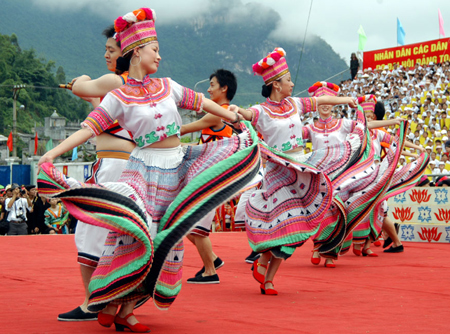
{"points": [[100, 118], [186, 98], [255, 116], [385, 137], [307, 104]]}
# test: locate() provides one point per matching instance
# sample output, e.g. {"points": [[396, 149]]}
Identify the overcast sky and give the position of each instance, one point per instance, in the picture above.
{"points": [[335, 21]]}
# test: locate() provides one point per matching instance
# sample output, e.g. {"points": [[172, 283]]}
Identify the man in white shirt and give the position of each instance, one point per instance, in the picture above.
{"points": [[16, 207]]}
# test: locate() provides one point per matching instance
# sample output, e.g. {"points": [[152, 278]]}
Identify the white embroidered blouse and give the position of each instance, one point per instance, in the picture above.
{"points": [[279, 122], [147, 109], [330, 131]]}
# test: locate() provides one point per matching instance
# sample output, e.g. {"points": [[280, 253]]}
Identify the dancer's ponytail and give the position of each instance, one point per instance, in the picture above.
{"points": [[266, 90], [123, 64]]}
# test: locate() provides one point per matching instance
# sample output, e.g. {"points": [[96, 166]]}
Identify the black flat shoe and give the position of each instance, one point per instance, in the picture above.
{"points": [[387, 242], [213, 279], [393, 249], [77, 315], [252, 257], [217, 264]]}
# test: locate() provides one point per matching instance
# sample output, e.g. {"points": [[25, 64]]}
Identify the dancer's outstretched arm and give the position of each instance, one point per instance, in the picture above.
{"points": [[84, 86], [68, 144], [213, 108]]}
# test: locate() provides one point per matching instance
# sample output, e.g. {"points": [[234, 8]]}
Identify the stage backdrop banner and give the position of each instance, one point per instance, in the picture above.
{"points": [[436, 51], [423, 214]]}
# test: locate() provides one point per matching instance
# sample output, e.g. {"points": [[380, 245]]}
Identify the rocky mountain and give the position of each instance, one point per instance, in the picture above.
{"points": [[229, 36]]}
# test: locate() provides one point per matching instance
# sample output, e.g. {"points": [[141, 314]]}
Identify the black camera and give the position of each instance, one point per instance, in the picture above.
{"points": [[23, 191], [20, 214]]}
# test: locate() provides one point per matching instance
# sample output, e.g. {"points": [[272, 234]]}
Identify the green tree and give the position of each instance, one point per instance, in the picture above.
{"points": [[60, 75], [40, 95]]}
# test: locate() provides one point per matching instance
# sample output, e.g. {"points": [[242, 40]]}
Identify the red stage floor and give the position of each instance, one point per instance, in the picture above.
{"points": [[394, 293]]}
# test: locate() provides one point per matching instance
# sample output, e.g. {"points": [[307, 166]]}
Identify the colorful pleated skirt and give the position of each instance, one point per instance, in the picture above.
{"points": [[159, 198]]}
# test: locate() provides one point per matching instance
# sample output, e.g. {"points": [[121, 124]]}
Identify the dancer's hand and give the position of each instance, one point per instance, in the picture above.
{"points": [[81, 78], [397, 121], [236, 110], [45, 158], [233, 108], [352, 102], [244, 114]]}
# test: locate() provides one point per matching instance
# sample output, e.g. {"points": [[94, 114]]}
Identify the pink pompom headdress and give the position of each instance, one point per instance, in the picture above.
{"points": [[135, 29], [321, 88], [367, 102], [272, 67]]}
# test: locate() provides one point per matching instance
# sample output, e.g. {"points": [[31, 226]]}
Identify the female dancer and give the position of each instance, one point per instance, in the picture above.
{"points": [[325, 132], [296, 195], [367, 231], [164, 184]]}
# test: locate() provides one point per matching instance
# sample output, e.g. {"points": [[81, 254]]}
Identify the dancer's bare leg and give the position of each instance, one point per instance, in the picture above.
{"points": [[272, 270], [264, 260], [86, 274], [204, 248], [315, 254], [389, 229], [127, 309], [329, 261], [367, 246]]}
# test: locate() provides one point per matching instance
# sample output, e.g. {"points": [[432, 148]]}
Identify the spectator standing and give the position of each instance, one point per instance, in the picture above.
{"points": [[354, 66], [17, 207], [36, 220]]}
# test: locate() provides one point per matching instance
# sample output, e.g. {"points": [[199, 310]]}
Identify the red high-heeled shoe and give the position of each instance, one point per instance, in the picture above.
{"points": [[122, 323], [357, 252], [106, 320], [364, 253], [329, 264], [270, 292], [258, 277], [315, 260]]}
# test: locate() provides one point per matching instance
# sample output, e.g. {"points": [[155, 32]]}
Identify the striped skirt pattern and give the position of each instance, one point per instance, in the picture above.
{"points": [[161, 195], [365, 202], [404, 178], [290, 206]]}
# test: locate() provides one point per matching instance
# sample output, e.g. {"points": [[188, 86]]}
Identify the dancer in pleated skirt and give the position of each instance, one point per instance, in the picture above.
{"points": [[164, 190], [295, 195], [404, 178]]}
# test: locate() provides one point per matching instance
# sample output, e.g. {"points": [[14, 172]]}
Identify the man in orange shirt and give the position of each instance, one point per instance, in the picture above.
{"points": [[222, 88]]}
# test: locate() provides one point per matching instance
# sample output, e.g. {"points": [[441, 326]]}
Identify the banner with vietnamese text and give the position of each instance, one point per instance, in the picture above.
{"points": [[436, 51]]}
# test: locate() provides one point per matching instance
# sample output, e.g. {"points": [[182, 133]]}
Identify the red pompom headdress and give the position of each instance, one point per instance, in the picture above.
{"points": [[368, 102], [272, 67], [323, 88], [136, 29]]}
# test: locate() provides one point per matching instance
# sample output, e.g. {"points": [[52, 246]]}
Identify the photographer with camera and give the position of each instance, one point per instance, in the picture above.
{"points": [[17, 206]]}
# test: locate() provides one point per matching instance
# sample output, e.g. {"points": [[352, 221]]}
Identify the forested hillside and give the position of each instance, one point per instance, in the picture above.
{"points": [[40, 97]]}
